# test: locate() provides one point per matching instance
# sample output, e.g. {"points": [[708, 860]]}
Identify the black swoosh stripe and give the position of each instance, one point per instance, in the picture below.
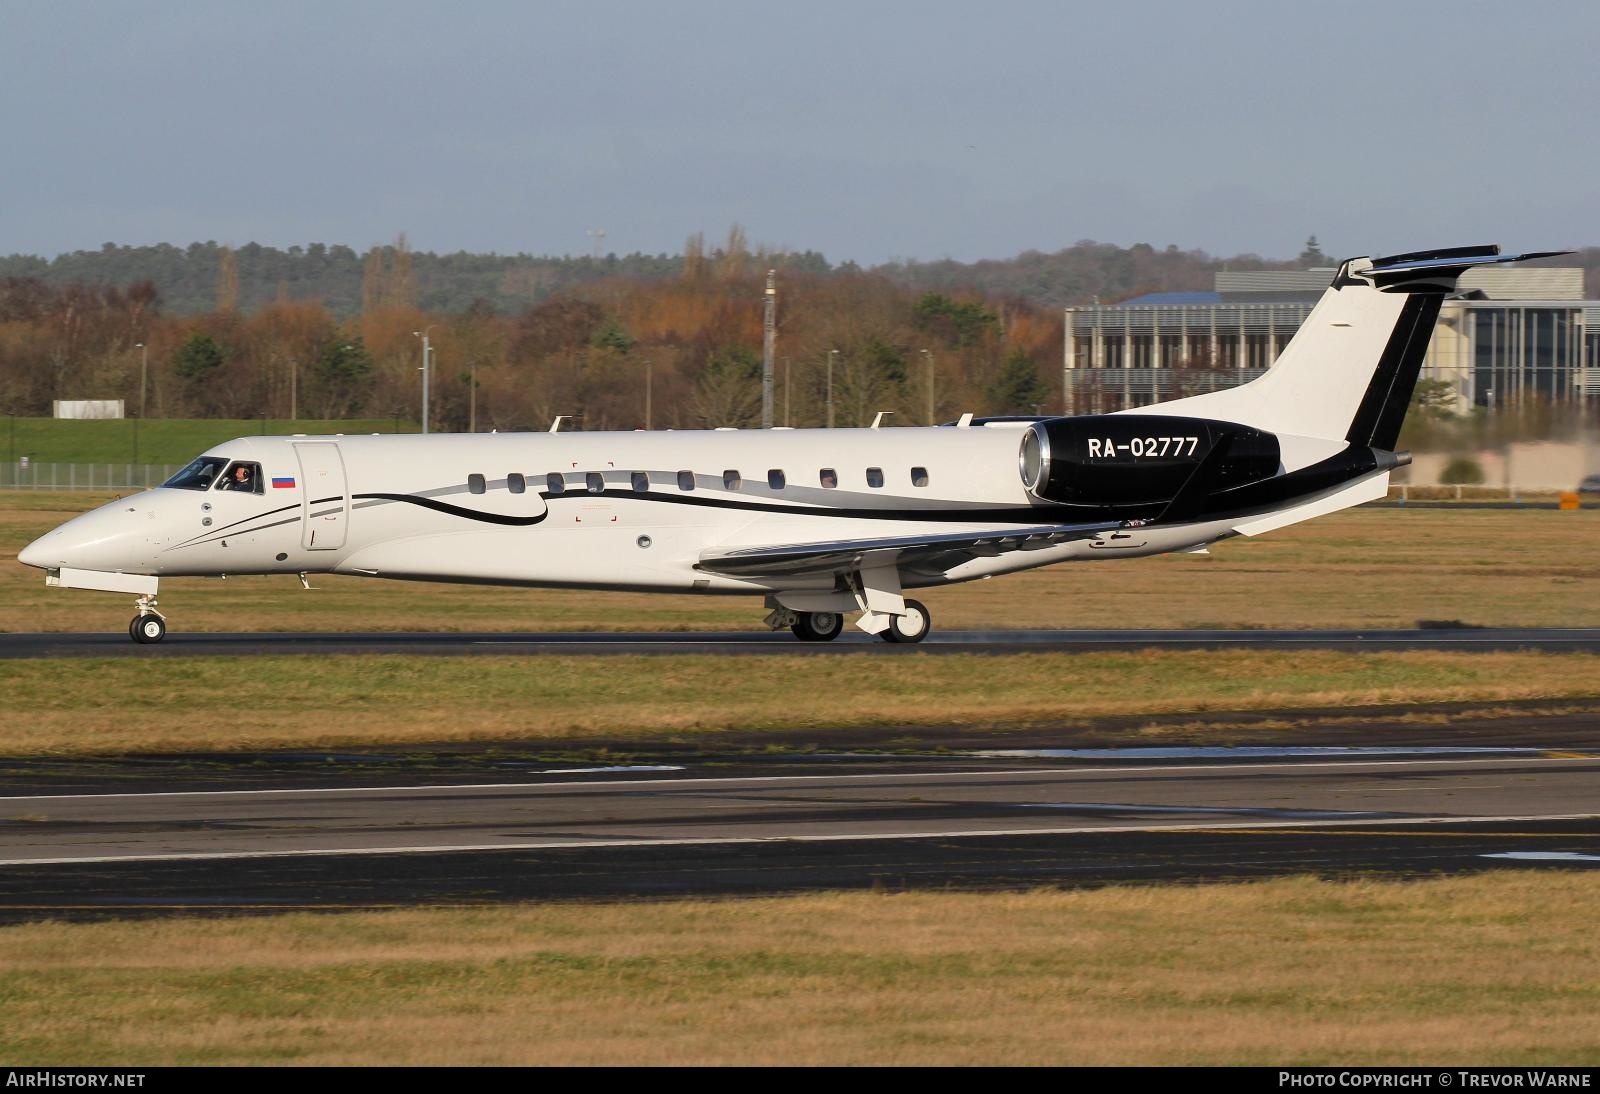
{"points": [[976, 515], [456, 510], [224, 535], [235, 524]]}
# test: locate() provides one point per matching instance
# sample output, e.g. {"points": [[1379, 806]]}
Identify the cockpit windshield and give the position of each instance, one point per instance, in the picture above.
{"points": [[199, 475]]}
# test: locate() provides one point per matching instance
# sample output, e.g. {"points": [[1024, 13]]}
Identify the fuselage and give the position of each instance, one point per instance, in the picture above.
{"points": [[587, 510]]}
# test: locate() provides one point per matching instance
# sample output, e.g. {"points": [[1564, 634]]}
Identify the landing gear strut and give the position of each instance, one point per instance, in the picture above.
{"points": [[913, 626], [149, 625]]}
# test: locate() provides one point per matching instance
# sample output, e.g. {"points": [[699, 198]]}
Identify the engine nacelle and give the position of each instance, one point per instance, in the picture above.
{"points": [[1138, 459]]}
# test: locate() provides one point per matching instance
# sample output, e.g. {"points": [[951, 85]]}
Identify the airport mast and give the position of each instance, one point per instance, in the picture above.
{"points": [[769, 338]]}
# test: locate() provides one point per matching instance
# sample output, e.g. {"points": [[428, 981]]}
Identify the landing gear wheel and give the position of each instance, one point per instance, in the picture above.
{"points": [[147, 628], [911, 627], [818, 626]]}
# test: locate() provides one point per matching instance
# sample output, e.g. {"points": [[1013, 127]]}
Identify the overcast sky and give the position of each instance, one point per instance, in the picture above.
{"points": [[864, 130]]}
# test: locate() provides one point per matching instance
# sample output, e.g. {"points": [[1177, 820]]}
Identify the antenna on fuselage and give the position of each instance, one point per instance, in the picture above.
{"points": [[555, 426], [877, 419]]}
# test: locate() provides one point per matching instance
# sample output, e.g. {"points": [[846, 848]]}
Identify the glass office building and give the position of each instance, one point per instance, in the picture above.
{"points": [[1508, 337]]}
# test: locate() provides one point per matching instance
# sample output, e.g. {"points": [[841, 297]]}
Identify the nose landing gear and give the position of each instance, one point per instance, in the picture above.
{"points": [[149, 625]]}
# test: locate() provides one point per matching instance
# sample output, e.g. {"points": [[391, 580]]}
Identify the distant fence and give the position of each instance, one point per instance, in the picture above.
{"points": [[34, 475]]}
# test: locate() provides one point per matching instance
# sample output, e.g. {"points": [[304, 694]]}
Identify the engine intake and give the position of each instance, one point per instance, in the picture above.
{"points": [[1137, 459]]}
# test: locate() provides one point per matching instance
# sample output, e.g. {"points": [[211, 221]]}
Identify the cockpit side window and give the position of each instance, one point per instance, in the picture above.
{"points": [[242, 478], [199, 475]]}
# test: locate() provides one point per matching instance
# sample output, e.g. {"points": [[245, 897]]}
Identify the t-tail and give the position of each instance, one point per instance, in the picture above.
{"points": [[1351, 368], [1315, 434]]}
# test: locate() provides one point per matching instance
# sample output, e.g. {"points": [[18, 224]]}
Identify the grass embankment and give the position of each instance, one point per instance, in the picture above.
{"points": [[160, 440], [113, 705], [1366, 568], [1500, 969]]}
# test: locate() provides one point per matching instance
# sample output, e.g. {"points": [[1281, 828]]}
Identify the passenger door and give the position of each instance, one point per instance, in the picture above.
{"points": [[325, 496]]}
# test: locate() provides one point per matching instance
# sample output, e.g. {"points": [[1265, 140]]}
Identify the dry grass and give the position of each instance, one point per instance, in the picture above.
{"points": [[1498, 969], [113, 705], [1364, 568]]}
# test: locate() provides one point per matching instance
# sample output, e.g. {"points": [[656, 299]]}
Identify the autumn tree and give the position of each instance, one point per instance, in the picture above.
{"points": [[728, 390], [228, 281]]}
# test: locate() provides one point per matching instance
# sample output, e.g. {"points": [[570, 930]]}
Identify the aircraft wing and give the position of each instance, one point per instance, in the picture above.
{"points": [[921, 554]]}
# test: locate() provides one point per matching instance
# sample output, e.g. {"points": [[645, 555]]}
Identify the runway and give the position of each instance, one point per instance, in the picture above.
{"points": [[970, 821], [179, 644]]}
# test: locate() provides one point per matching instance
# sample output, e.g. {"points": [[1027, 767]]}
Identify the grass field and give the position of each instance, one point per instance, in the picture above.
{"points": [[1362, 568], [1500, 969], [160, 440], [264, 702]]}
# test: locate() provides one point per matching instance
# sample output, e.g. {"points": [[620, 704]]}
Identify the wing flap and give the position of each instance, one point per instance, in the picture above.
{"points": [[934, 553]]}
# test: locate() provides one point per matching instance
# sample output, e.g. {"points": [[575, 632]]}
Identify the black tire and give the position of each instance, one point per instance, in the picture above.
{"points": [[818, 626], [147, 629], [911, 627]]}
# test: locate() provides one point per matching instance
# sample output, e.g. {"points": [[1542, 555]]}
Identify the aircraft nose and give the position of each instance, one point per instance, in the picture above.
{"points": [[97, 540], [36, 553]]}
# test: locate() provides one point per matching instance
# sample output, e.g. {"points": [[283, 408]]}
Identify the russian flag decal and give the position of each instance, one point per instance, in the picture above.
{"points": [[282, 483]]}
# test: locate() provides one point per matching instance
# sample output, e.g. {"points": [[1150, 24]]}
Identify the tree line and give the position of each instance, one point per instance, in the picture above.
{"points": [[341, 278], [615, 352]]}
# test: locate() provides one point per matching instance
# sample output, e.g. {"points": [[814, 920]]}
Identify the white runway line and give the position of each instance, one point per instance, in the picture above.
{"points": [[558, 845]]}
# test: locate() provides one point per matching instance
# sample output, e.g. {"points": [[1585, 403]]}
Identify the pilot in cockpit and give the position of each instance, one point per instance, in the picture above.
{"points": [[242, 479]]}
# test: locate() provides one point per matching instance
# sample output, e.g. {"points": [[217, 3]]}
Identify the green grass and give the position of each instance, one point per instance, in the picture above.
{"points": [[1500, 969], [160, 440]]}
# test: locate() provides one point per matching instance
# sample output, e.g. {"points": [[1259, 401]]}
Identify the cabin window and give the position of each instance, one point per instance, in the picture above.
{"points": [[242, 478], [641, 481], [516, 483], [919, 476], [476, 485], [731, 480], [829, 478], [685, 480], [595, 482], [775, 478], [555, 482], [199, 475], [875, 477]]}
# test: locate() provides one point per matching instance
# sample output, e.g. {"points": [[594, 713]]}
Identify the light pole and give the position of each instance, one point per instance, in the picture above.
{"points": [[832, 353], [144, 370], [929, 355], [472, 396], [649, 384], [427, 350], [294, 388]]}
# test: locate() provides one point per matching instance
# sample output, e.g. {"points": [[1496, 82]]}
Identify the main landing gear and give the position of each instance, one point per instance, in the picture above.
{"points": [[817, 626], [149, 625], [911, 626]]}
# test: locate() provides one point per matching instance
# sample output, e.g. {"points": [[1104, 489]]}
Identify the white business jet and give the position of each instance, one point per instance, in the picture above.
{"points": [[819, 522]]}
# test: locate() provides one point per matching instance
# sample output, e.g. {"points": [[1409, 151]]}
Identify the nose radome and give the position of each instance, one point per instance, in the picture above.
{"points": [[97, 540], [36, 553]]}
